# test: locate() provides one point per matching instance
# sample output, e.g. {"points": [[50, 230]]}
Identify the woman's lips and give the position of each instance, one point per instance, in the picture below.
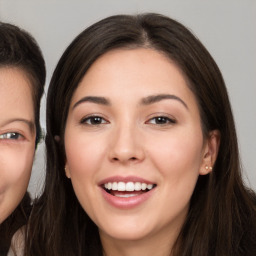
{"points": [[126, 192]]}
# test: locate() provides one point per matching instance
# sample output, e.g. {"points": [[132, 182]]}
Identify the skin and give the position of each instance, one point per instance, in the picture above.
{"points": [[17, 138], [129, 141]]}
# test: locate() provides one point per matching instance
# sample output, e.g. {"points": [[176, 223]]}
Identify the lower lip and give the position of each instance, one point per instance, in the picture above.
{"points": [[126, 202]]}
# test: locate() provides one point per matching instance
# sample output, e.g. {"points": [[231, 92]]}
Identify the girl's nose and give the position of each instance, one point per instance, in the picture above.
{"points": [[126, 145]]}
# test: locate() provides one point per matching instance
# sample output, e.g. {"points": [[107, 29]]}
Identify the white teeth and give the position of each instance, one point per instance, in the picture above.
{"points": [[149, 186], [126, 195], [121, 186], [137, 186], [114, 186], [128, 186], [143, 186]]}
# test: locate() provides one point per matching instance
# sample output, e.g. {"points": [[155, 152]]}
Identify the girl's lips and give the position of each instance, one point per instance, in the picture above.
{"points": [[126, 199]]}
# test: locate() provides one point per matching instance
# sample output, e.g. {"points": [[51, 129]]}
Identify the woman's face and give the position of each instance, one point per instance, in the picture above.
{"points": [[17, 138], [134, 145]]}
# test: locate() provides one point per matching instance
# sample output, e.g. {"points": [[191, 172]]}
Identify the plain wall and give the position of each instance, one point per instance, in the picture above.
{"points": [[226, 28]]}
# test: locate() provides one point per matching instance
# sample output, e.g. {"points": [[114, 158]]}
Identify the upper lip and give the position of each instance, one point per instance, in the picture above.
{"points": [[125, 179]]}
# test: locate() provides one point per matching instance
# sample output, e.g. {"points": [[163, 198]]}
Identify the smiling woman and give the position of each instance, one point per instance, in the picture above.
{"points": [[22, 75], [140, 137], [142, 155]]}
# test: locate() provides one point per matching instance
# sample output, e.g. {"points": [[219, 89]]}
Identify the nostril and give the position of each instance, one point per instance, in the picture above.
{"points": [[130, 159]]}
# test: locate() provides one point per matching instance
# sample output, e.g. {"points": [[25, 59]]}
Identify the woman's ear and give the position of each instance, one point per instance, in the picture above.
{"points": [[210, 153], [67, 171]]}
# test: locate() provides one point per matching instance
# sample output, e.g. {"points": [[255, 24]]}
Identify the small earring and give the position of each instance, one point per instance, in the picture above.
{"points": [[208, 167]]}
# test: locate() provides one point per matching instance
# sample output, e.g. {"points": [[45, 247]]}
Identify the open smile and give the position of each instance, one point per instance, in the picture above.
{"points": [[120, 188], [127, 194]]}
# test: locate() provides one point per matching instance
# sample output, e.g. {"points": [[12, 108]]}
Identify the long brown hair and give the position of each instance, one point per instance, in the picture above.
{"points": [[19, 49], [221, 219]]}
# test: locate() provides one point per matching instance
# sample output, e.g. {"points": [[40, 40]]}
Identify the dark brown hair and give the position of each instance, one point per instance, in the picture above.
{"points": [[222, 215], [19, 49]]}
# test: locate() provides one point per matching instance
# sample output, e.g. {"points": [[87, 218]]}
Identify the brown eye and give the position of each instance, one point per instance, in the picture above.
{"points": [[161, 120], [94, 120]]}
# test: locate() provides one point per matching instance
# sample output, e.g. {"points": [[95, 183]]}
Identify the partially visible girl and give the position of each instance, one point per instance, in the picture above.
{"points": [[22, 78]]}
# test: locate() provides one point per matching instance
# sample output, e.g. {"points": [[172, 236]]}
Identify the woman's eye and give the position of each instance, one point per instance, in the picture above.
{"points": [[94, 120], [11, 136], [161, 120]]}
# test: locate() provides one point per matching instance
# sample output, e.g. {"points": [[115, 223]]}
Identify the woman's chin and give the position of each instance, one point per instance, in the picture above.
{"points": [[122, 235]]}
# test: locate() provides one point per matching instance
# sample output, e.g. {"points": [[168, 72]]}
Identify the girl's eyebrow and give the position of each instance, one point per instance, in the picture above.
{"points": [[29, 123], [159, 97], [93, 99], [144, 101]]}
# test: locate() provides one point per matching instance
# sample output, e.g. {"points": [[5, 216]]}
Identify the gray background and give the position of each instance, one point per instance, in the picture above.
{"points": [[226, 27]]}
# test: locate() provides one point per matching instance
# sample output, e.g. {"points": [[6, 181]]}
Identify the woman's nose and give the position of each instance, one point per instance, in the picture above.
{"points": [[126, 145]]}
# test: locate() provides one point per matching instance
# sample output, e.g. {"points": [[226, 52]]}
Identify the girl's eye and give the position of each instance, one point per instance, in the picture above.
{"points": [[10, 136], [161, 120], [94, 120]]}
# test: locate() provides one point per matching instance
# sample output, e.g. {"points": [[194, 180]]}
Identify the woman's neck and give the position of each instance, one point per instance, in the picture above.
{"points": [[131, 248]]}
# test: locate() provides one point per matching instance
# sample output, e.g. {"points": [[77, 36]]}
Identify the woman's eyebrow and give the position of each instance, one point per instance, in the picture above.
{"points": [[29, 123], [93, 99], [145, 101], [159, 97]]}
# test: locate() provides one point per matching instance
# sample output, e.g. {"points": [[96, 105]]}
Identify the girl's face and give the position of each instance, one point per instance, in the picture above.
{"points": [[17, 138], [134, 145]]}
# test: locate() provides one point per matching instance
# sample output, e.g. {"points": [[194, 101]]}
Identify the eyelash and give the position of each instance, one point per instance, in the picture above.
{"points": [[90, 119], [11, 136], [98, 120], [164, 120]]}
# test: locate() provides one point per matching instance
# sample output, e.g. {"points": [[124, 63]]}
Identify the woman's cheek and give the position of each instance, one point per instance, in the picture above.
{"points": [[84, 153]]}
